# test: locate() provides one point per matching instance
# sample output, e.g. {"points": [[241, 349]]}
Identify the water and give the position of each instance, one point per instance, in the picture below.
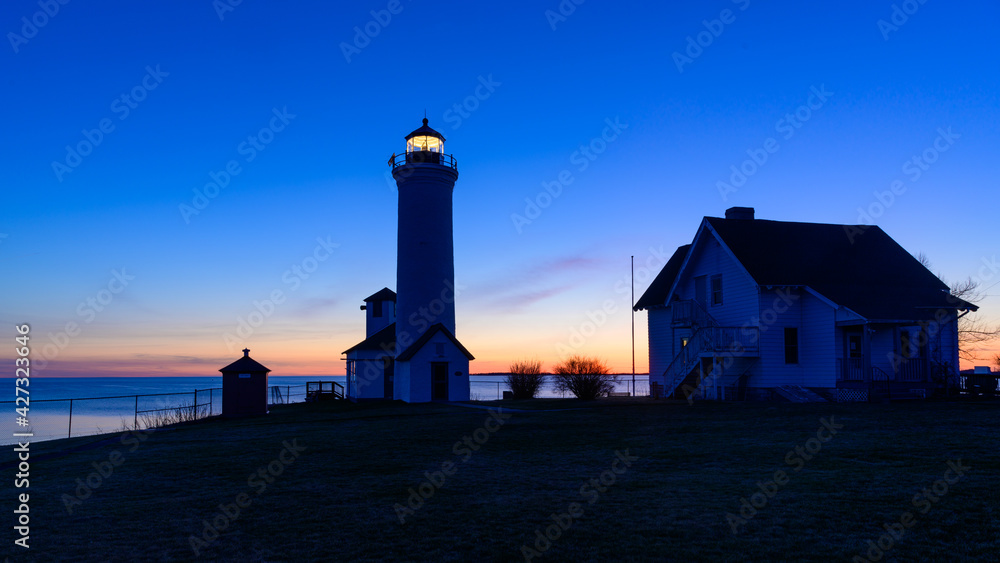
{"points": [[491, 387], [107, 404]]}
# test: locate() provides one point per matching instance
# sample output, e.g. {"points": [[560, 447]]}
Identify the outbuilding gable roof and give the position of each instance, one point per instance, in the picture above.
{"points": [[383, 340], [426, 336], [384, 294]]}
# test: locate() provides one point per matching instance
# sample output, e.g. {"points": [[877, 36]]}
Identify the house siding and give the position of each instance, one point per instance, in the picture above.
{"points": [[778, 310], [739, 291], [818, 343], [370, 373], [883, 347], [949, 342], [661, 351], [814, 318]]}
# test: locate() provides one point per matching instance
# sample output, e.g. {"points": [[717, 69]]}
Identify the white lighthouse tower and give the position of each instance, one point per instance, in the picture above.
{"points": [[430, 364], [410, 352], [425, 255]]}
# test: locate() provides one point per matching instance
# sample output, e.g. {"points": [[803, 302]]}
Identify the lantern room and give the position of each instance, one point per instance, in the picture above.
{"points": [[425, 139]]}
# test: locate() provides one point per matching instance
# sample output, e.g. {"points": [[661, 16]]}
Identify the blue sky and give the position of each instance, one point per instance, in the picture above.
{"points": [[517, 91]]}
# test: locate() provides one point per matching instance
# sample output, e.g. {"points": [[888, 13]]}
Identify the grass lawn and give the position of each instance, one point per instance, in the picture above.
{"points": [[334, 500]]}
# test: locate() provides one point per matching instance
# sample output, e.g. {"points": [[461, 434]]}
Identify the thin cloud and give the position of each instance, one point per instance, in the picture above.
{"points": [[514, 302], [534, 283], [538, 273], [312, 307]]}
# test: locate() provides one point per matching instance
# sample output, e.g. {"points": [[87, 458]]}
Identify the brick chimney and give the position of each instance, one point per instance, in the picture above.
{"points": [[741, 213]]}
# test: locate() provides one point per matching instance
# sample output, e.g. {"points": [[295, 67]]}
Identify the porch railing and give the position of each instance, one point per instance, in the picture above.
{"points": [[910, 370], [852, 369], [690, 313]]}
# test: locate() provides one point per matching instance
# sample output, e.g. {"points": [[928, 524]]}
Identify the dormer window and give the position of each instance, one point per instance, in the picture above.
{"points": [[376, 308]]}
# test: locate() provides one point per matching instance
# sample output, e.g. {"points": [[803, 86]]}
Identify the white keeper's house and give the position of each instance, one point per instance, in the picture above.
{"points": [[757, 309]]}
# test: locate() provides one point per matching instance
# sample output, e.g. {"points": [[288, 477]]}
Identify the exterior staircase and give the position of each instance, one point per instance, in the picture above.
{"points": [[708, 340]]}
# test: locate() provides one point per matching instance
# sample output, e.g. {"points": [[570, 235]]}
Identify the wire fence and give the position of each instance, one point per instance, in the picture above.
{"points": [[488, 387], [86, 416]]}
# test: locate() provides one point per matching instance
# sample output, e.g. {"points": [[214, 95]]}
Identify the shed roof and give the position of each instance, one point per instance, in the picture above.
{"points": [[246, 364]]}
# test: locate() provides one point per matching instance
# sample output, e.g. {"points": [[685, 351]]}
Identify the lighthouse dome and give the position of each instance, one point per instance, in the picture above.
{"points": [[425, 139]]}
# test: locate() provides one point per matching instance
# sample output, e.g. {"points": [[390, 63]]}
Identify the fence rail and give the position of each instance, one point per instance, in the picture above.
{"points": [[84, 416], [486, 387], [170, 408]]}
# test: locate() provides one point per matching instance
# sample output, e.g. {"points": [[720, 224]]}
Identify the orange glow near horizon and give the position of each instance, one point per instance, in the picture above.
{"points": [[139, 353]]}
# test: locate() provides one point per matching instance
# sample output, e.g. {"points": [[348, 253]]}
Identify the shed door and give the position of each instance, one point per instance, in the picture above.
{"points": [[439, 381]]}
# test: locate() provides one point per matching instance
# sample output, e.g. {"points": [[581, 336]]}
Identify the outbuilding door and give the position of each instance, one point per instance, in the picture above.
{"points": [[439, 381]]}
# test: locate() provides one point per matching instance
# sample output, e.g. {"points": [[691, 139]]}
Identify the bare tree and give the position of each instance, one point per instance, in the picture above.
{"points": [[973, 330], [587, 378], [924, 260], [525, 378]]}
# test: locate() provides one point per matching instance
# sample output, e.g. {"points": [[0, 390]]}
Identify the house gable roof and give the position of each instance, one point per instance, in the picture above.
{"points": [[657, 292], [384, 294], [855, 266], [382, 341], [407, 354]]}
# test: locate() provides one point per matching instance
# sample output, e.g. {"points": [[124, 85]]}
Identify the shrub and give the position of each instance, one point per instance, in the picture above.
{"points": [[586, 378], [525, 378]]}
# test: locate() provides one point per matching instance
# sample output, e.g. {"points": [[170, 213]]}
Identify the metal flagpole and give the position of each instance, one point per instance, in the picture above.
{"points": [[633, 325]]}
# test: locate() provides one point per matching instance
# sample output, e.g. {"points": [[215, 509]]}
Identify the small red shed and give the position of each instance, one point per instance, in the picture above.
{"points": [[244, 387]]}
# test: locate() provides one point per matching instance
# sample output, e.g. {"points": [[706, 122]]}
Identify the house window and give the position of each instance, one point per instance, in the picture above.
{"points": [[854, 346], [376, 308], [439, 348], [717, 290], [791, 345]]}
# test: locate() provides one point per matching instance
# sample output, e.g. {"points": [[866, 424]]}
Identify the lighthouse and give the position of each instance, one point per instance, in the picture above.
{"points": [[412, 353], [425, 251]]}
